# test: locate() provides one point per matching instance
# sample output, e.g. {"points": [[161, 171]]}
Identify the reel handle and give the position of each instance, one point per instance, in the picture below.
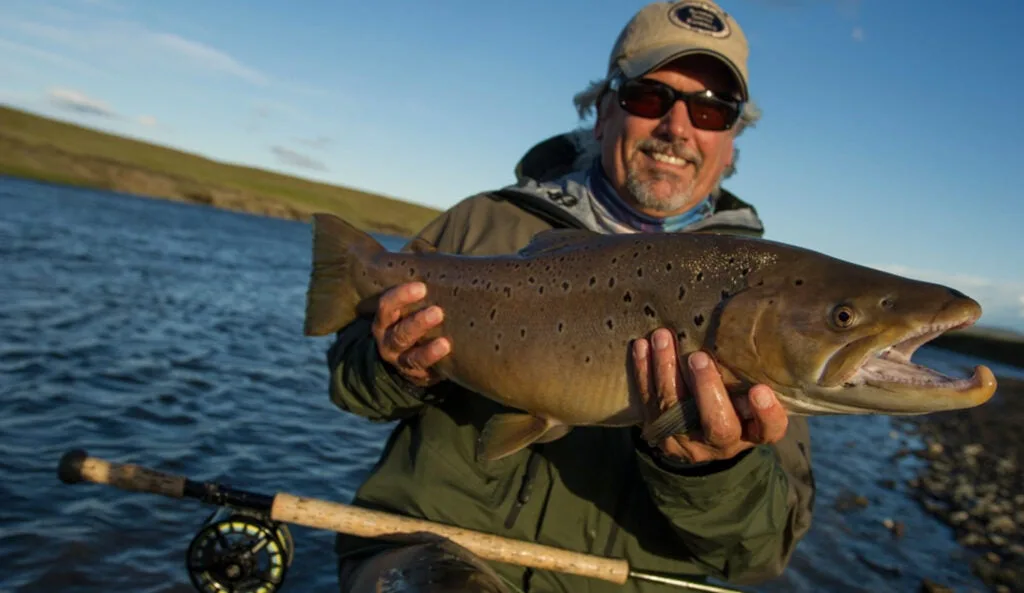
{"points": [[77, 466]]}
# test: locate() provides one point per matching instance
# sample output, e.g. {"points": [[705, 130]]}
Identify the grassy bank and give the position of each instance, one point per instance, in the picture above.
{"points": [[44, 149]]}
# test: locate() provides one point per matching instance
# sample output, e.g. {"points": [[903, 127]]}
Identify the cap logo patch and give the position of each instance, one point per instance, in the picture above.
{"points": [[700, 18]]}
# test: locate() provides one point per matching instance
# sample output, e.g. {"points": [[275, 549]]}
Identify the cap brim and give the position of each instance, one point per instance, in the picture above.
{"points": [[639, 65]]}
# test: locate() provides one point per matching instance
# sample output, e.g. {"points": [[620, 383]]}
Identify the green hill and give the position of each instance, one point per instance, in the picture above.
{"points": [[44, 149]]}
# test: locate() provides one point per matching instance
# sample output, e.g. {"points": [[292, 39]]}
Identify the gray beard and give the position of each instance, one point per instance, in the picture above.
{"points": [[644, 195]]}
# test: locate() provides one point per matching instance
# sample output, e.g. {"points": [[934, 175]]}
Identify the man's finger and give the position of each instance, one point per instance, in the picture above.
{"points": [[770, 416], [642, 373], [721, 425], [391, 303], [667, 378], [421, 358], [404, 334]]}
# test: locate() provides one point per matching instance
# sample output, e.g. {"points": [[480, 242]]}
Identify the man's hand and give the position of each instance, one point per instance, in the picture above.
{"points": [[398, 337], [730, 426]]}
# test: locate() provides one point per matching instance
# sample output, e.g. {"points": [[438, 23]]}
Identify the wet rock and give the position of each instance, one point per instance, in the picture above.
{"points": [[847, 501], [1002, 524]]}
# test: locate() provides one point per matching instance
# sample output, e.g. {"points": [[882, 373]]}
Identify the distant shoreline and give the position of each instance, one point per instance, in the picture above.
{"points": [[42, 149]]}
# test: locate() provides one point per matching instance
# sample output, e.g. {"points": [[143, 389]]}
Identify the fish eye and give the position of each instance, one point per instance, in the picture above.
{"points": [[843, 316]]}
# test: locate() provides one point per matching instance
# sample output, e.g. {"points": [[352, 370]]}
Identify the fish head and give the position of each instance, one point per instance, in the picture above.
{"points": [[832, 337]]}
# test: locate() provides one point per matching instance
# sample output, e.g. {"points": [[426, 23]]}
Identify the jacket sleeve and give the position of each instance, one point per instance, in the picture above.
{"points": [[740, 519], [361, 382]]}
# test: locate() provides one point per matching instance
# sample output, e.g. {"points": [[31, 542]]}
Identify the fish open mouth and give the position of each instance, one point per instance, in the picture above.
{"points": [[924, 389]]}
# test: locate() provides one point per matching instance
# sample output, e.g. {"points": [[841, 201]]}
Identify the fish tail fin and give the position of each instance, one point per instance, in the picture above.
{"points": [[337, 293], [682, 418]]}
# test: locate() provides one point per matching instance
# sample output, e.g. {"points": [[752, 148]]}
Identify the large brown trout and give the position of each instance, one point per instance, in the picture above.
{"points": [[547, 331]]}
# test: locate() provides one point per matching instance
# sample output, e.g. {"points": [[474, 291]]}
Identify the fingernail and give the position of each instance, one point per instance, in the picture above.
{"points": [[699, 361], [763, 398], [439, 347], [660, 340], [418, 290], [433, 315], [640, 349]]}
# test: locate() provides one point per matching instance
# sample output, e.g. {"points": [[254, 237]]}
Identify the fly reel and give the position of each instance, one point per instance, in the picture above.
{"points": [[239, 551]]}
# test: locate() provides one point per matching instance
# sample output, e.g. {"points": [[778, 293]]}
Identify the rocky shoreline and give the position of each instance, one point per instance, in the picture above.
{"points": [[972, 481]]}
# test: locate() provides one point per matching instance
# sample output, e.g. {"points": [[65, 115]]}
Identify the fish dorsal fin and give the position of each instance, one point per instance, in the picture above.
{"points": [[420, 245], [556, 240]]}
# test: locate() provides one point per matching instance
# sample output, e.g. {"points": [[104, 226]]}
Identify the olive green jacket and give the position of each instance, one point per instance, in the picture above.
{"points": [[596, 490]]}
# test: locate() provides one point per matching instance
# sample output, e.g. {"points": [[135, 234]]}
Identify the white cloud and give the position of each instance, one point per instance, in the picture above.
{"points": [[205, 56], [8, 47], [73, 100], [112, 42], [857, 34]]}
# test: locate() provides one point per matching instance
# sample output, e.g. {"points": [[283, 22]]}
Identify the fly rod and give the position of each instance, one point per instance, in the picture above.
{"points": [[214, 558]]}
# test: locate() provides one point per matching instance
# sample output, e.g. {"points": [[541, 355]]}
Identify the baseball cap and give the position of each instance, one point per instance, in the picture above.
{"points": [[664, 31]]}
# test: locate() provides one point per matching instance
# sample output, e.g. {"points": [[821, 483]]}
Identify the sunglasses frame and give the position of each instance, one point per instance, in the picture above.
{"points": [[618, 82]]}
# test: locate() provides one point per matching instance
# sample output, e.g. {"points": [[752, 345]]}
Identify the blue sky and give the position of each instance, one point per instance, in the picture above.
{"points": [[889, 134]]}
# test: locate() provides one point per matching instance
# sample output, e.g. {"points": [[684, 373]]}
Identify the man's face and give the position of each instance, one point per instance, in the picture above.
{"points": [[665, 166]]}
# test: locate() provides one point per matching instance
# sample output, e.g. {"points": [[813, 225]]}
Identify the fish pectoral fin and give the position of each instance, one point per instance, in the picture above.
{"points": [[509, 433], [556, 239], [682, 418]]}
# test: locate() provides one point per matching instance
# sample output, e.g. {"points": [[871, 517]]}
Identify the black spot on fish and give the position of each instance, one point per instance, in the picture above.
{"points": [[586, 360], [639, 272], [412, 272], [698, 320], [391, 264], [732, 260], [725, 294], [649, 311], [682, 292], [628, 297], [615, 260], [561, 326], [488, 285], [565, 286], [364, 273], [593, 280], [887, 303], [442, 276], [508, 291], [475, 281], [668, 267], [611, 282], [517, 266], [497, 347], [522, 332], [540, 290], [760, 282], [609, 323], [547, 268], [500, 335], [493, 313], [636, 254], [798, 282], [472, 323], [744, 271], [562, 259], [648, 247], [700, 276], [531, 280], [681, 335], [428, 275], [771, 301], [455, 291]]}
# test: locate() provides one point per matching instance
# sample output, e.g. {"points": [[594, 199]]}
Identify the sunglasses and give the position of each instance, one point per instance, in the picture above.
{"points": [[652, 99]]}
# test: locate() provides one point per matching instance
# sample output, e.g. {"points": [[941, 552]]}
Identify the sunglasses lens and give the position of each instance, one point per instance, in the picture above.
{"points": [[707, 113], [653, 100], [644, 99]]}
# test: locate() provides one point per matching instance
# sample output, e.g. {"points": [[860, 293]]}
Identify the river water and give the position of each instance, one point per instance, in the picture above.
{"points": [[170, 335]]}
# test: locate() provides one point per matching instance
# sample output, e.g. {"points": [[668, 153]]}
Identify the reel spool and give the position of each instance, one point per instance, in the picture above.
{"points": [[239, 551]]}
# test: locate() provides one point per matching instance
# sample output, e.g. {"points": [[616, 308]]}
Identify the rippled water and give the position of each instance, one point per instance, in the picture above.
{"points": [[169, 335]]}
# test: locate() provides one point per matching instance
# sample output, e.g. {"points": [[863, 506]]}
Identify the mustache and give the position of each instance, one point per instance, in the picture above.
{"points": [[677, 149]]}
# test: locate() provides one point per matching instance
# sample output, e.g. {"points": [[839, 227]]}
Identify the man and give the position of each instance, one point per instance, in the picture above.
{"points": [[731, 504]]}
